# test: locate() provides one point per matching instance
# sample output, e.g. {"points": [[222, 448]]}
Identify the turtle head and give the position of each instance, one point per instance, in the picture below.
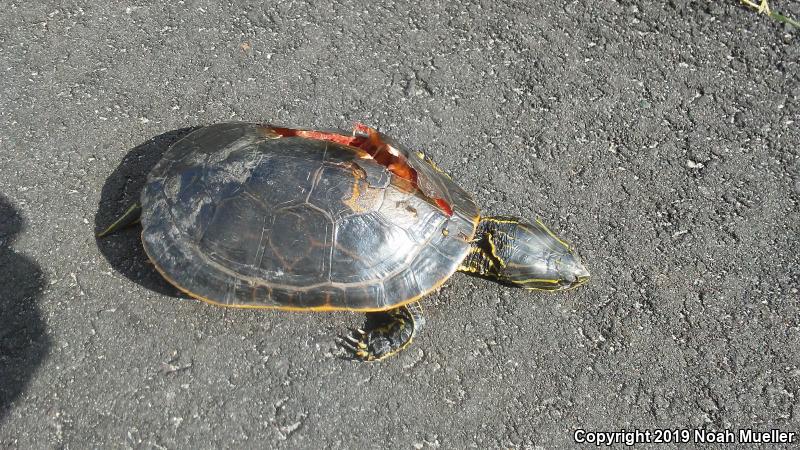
{"points": [[524, 254]]}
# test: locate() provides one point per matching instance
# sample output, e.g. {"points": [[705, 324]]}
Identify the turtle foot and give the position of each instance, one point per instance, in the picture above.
{"points": [[392, 332]]}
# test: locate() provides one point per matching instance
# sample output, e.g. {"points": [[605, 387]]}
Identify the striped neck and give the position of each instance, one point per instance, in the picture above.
{"points": [[491, 247]]}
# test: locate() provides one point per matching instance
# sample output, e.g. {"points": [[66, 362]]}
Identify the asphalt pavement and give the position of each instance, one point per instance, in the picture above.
{"points": [[660, 138]]}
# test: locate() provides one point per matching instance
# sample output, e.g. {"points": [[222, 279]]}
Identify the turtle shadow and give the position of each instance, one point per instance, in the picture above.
{"points": [[123, 249], [23, 340]]}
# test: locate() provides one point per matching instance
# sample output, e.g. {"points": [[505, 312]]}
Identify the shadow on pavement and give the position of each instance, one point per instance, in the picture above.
{"points": [[123, 249], [23, 342]]}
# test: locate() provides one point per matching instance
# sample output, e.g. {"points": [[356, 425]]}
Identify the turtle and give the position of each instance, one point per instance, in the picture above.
{"points": [[252, 215]]}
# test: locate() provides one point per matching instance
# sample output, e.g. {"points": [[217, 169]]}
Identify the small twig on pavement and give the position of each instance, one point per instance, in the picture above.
{"points": [[763, 8]]}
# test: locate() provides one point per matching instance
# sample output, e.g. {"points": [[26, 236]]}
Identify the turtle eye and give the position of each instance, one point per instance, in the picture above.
{"points": [[572, 271]]}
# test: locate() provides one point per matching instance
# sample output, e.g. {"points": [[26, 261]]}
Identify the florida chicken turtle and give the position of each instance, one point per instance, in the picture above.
{"points": [[256, 216]]}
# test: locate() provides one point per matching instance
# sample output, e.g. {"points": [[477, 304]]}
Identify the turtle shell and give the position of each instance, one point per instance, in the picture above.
{"points": [[248, 215]]}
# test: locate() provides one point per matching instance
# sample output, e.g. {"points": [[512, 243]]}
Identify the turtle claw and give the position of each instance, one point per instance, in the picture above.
{"points": [[388, 333], [345, 344], [357, 332], [357, 347], [353, 349], [353, 341]]}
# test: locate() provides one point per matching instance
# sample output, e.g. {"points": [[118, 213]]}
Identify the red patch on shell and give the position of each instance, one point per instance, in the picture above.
{"points": [[444, 205], [383, 153], [353, 141]]}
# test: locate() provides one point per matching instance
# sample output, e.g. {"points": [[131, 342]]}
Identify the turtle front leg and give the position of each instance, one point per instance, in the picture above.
{"points": [[393, 332]]}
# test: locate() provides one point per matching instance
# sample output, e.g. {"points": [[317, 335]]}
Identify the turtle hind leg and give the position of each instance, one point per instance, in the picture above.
{"points": [[390, 332], [129, 217]]}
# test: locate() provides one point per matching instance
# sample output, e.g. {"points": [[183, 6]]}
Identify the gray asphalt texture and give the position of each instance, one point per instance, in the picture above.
{"points": [[659, 138]]}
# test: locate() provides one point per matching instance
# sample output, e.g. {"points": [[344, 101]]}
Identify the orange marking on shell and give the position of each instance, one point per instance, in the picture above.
{"points": [[353, 141], [444, 205], [368, 140], [359, 127], [268, 132], [352, 202]]}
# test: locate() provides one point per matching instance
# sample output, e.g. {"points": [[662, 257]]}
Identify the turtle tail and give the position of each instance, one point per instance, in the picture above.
{"points": [[129, 217]]}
